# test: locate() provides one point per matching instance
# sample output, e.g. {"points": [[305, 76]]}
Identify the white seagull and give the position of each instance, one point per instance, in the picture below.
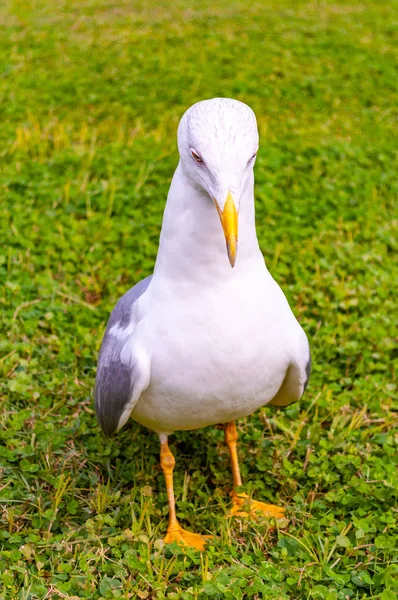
{"points": [[209, 337]]}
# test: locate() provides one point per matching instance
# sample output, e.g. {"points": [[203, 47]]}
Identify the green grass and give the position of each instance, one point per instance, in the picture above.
{"points": [[90, 98]]}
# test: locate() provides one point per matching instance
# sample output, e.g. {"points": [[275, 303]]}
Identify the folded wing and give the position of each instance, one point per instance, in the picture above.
{"points": [[121, 375]]}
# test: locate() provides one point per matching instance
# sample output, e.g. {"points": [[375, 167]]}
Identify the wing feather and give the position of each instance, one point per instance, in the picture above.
{"points": [[117, 378]]}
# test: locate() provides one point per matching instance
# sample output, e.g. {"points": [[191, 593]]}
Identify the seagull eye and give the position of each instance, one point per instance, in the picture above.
{"points": [[197, 157]]}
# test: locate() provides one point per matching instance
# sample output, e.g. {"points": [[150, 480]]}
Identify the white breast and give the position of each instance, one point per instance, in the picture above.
{"points": [[216, 356]]}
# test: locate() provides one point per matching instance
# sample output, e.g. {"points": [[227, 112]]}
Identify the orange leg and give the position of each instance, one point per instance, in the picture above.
{"points": [[175, 533], [242, 505]]}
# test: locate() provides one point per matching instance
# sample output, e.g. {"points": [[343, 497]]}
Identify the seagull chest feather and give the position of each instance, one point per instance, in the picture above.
{"points": [[216, 356]]}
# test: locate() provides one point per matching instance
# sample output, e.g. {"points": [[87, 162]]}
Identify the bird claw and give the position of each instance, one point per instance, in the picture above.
{"points": [[244, 506]]}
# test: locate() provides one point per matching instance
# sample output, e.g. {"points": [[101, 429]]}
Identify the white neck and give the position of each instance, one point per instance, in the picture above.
{"points": [[192, 244]]}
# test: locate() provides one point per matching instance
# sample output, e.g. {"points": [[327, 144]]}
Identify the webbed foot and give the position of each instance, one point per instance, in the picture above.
{"points": [[186, 538], [244, 506]]}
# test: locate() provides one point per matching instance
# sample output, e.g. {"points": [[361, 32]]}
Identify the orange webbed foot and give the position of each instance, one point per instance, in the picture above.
{"points": [[186, 538], [244, 506]]}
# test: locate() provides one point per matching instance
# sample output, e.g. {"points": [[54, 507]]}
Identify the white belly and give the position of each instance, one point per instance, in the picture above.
{"points": [[215, 368], [213, 396]]}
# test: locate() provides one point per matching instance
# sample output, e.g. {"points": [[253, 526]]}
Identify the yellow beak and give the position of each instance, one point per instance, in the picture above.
{"points": [[229, 222]]}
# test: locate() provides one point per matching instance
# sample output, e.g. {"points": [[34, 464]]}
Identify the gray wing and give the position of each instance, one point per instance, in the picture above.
{"points": [[114, 385]]}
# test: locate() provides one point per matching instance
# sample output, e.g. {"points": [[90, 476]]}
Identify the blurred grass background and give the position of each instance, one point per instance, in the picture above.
{"points": [[90, 98]]}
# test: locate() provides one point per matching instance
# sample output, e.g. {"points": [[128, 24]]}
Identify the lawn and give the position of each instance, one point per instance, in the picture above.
{"points": [[91, 95]]}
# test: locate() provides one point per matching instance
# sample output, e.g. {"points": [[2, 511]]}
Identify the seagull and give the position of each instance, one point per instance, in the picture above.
{"points": [[209, 337]]}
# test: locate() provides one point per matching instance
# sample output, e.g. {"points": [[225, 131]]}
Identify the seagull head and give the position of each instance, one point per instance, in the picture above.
{"points": [[218, 143]]}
